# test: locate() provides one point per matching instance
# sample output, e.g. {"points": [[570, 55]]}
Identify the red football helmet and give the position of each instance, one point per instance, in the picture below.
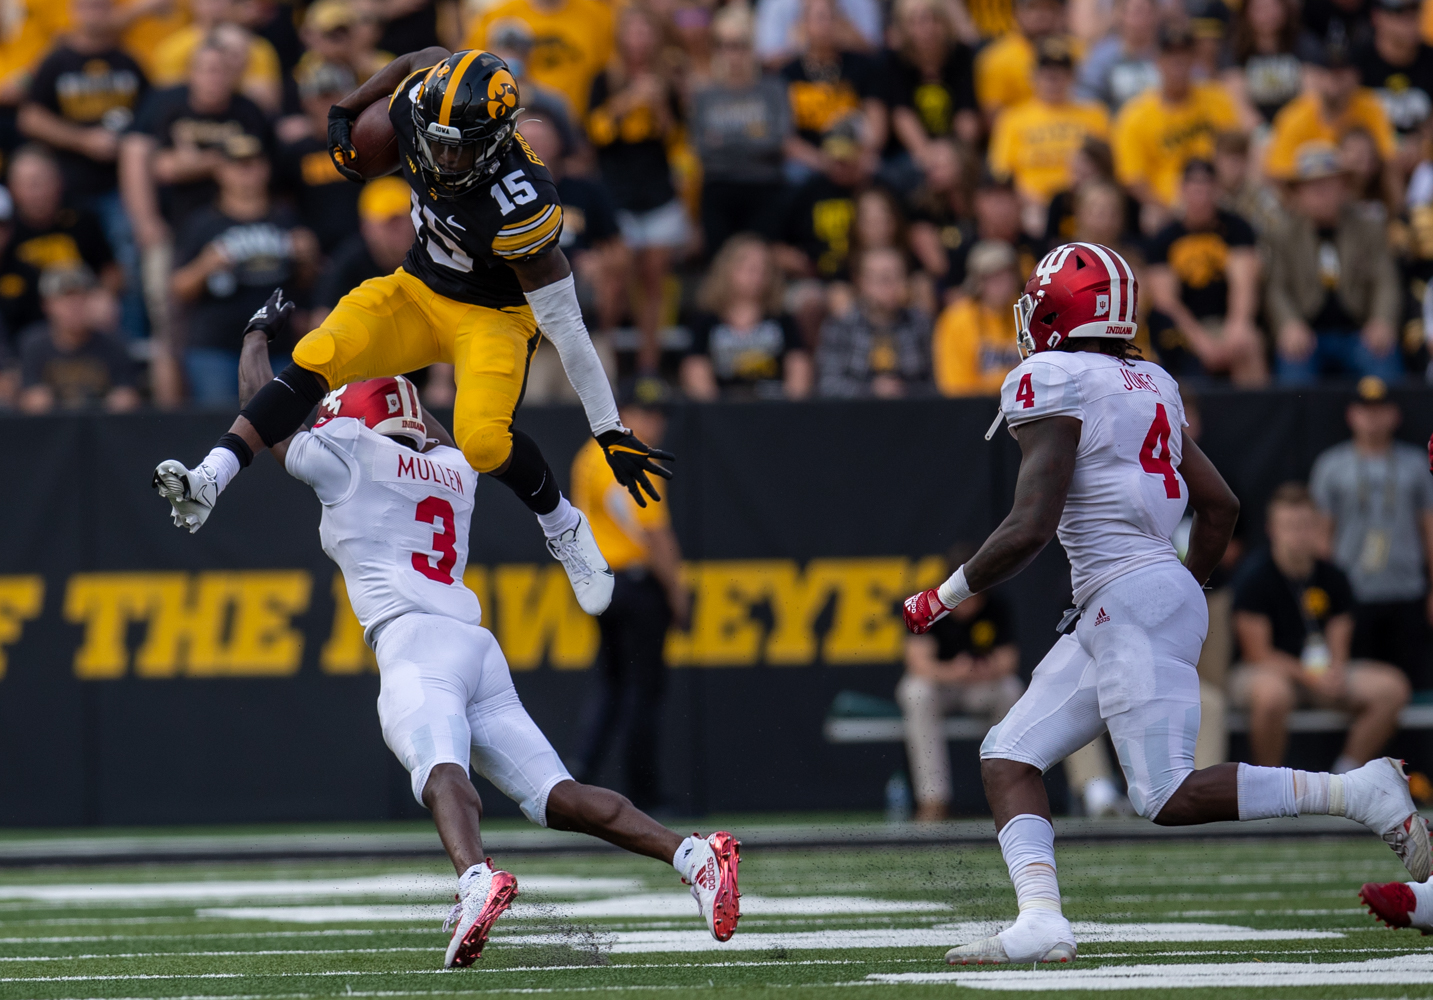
{"points": [[385, 405], [1077, 290]]}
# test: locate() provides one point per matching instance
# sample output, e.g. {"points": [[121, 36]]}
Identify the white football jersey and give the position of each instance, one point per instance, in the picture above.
{"points": [[1126, 496], [395, 521]]}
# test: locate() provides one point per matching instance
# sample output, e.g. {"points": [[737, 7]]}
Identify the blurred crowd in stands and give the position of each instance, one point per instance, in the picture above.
{"points": [[794, 198]]}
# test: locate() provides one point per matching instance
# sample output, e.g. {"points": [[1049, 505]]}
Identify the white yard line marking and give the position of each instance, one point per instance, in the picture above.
{"points": [[399, 885], [1405, 970]]}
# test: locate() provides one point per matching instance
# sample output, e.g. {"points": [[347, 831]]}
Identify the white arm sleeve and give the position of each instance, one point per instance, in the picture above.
{"points": [[556, 310]]}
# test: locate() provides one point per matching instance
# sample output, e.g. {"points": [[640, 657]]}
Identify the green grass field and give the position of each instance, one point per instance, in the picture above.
{"points": [[1276, 918]]}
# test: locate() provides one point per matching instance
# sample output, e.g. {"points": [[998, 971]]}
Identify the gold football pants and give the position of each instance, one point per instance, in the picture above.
{"points": [[396, 324]]}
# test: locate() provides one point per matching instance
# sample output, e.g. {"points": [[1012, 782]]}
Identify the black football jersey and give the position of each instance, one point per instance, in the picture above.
{"points": [[465, 244]]}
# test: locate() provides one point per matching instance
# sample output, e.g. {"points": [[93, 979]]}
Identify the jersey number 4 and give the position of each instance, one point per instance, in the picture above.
{"points": [[439, 513], [1154, 454]]}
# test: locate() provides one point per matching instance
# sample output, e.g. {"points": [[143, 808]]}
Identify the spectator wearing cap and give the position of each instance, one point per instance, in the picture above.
{"points": [[47, 234], [1241, 189], [997, 217], [1005, 69], [1203, 279], [1397, 66], [1267, 71], [779, 26], [257, 63], [385, 233], [1159, 131], [1033, 142], [1378, 499], [1345, 21], [1333, 297], [82, 98], [1123, 65], [743, 344], [66, 362], [231, 256], [648, 597], [972, 350], [881, 347], [327, 202], [829, 85], [591, 239], [931, 80], [739, 124], [573, 42], [1334, 104], [1293, 619], [333, 33], [1209, 23]]}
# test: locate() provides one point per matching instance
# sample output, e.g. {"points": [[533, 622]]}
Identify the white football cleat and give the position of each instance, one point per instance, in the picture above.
{"points": [[711, 872], [1377, 796], [191, 492], [1036, 936], [473, 916], [586, 567]]}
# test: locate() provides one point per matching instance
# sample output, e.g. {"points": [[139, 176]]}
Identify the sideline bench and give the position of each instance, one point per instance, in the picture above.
{"points": [[892, 729]]}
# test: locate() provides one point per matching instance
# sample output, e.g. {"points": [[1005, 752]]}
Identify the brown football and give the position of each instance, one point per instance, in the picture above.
{"points": [[375, 140]]}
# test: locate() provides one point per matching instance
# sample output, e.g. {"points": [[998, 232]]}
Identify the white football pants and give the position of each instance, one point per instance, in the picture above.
{"points": [[447, 698], [1128, 668]]}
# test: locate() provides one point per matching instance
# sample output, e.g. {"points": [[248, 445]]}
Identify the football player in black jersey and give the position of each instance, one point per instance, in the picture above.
{"points": [[482, 282]]}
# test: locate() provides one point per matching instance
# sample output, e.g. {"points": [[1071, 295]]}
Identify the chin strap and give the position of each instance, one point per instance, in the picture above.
{"points": [[1000, 415]]}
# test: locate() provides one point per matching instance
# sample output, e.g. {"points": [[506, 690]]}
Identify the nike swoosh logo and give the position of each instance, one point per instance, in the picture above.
{"points": [[625, 450], [454, 223]]}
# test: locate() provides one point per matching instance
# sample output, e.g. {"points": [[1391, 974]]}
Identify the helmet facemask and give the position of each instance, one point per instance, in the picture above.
{"points": [[449, 175]]}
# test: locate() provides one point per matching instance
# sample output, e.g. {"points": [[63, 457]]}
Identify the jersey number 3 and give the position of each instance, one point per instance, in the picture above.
{"points": [[439, 513], [1154, 454]]}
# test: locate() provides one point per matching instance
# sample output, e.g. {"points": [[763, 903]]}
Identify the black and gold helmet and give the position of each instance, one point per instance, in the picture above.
{"points": [[464, 115]]}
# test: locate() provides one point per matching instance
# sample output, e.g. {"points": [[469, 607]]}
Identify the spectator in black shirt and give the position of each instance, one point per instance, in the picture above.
{"points": [[1293, 619], [231, 257], [65, 362], [634, 113], [1398, 65], [816, 225], [47, 234], [1340, 21], [743, 345], [1204, 282], [931, 81], [828, 86], [739, 125], [327, 201]]}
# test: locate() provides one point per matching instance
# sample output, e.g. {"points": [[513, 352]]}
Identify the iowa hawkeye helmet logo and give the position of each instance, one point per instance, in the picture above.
{"points": [[502, 94]]}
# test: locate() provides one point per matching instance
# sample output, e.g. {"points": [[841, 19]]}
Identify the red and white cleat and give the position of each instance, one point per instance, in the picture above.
{"points": [[712, 876], [923, 610], [1391, 902], [488, 898]]}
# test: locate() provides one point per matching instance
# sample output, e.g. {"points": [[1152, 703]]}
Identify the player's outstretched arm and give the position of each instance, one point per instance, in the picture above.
{"points": [[1216, 509], [255, 372], [547, 283]]}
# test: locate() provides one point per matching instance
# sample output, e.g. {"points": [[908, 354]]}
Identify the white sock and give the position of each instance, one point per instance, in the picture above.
{"points": [[473, 875], [222, 464], [1423, 912], [1281, 791], [559, 519], [682, 860], [1344, 763], [1318, 793], [1027, 843]]}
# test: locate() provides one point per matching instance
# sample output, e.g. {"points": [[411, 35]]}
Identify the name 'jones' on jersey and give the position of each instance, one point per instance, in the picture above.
{"points": [[395, 521], [465, 244], [1126, 496]]}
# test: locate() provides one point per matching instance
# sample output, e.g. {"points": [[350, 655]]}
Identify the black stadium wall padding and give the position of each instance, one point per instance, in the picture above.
{"points": [[149, 676]]}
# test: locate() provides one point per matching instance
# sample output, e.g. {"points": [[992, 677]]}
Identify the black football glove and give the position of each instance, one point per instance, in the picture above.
{"points": [[340, 142], [631, 460], [272, 318]]}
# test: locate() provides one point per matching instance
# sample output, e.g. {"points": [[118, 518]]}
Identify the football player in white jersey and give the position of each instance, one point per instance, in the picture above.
{"points": [[397, 501], [1106, 467]]}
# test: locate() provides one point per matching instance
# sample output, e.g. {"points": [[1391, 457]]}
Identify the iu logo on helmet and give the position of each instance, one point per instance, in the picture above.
{"points": [[502, 94]]}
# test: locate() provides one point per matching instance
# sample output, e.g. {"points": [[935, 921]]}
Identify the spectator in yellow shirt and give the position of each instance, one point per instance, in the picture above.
{"points": [[1004, 69], [218, 20], [1164, 128], [647, 597], [1035, 141], [1333, 106], [572, 42], [974, 344]]}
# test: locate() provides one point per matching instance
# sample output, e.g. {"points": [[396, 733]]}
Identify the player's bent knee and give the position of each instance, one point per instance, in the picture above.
{"points": [[446, 779], [485, 448], [1167, 804]]}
